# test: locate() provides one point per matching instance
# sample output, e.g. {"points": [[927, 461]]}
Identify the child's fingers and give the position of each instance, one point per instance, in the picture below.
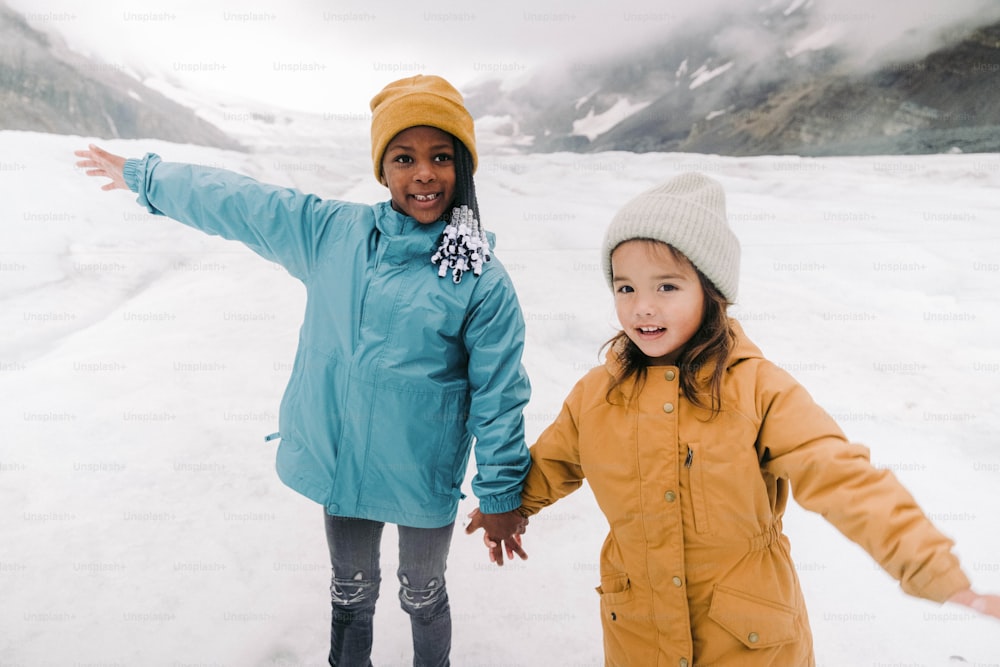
{"points": [[514, 547], [987, 604], [494, 548], [475, 521]]}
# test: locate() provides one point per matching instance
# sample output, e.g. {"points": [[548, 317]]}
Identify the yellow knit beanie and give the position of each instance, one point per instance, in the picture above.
{"points": [[419, 100]]}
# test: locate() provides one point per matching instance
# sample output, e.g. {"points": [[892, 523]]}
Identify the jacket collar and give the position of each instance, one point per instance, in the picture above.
{"points": [[409, 239], [404, 238]]}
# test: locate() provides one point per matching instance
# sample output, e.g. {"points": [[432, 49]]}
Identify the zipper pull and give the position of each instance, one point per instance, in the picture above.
{"points": [[690, 458]]}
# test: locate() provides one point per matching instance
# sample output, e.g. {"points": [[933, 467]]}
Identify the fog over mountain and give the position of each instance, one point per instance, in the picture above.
{"points": [[808, 77], [788, 78], [45, 87]]}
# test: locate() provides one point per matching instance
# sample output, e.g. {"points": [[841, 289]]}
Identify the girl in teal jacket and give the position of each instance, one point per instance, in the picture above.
{"points": [[409, 352]]}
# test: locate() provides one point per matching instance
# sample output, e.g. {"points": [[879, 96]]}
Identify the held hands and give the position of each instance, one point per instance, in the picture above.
{"points": [[101, 163], [988, 605], [502, 532]]}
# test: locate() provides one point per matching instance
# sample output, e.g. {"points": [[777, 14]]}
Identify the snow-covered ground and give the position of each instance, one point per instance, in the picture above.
{"points": [[141, 364]]}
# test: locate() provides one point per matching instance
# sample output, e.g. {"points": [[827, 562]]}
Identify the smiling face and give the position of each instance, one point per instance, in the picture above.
{"points": [[658, 298], [418, 167]]}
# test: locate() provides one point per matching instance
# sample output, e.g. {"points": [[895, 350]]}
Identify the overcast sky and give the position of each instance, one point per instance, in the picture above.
{"points": [[333, 56]]}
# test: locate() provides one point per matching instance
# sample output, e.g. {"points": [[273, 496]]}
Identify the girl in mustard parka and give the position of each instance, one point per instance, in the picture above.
{"points": [[690, 440]]}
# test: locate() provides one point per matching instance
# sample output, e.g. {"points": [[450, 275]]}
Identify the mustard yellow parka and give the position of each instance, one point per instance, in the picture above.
{"points": [[696, 571]]}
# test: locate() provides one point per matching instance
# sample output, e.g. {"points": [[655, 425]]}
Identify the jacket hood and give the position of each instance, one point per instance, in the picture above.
{"points": [[744, 348]]}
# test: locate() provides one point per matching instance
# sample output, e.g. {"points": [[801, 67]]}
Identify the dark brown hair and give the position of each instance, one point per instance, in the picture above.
{"points": [[708, 348]]}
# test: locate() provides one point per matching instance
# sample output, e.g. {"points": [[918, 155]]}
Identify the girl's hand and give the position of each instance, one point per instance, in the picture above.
{"points": [[99, 162], [988, 605], [502, 532]]}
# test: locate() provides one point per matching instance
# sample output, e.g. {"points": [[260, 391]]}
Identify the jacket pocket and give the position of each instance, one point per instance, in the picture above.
{"points": [[454, 445], [620, 622], [754, 622], [615, 589]]}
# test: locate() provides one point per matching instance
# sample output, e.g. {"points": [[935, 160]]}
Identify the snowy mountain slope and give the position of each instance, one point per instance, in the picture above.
{"points": [[815, 78], [142, 363], [46, 87]]}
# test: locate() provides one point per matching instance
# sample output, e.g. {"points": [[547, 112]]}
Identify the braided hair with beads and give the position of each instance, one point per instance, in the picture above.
{"points": [[463, 245]]}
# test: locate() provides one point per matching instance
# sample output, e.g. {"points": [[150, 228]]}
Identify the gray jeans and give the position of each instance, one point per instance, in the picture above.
{"points": [[354, 554]]}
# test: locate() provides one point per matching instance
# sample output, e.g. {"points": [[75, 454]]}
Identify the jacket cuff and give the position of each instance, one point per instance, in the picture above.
{"points": [[131, 172], [940, 587], [526, 512], [135, 172], [500, 504]]}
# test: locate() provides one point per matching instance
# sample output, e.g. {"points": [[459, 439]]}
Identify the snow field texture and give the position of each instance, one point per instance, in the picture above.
{"points": [[141, 365]]}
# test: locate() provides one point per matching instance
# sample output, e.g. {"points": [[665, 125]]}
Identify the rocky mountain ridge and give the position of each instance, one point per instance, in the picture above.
{"points": [[45, 87], [694, 92]]}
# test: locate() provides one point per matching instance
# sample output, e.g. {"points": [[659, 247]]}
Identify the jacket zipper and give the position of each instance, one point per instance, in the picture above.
{"points": [[698, 491], [379, 252]]}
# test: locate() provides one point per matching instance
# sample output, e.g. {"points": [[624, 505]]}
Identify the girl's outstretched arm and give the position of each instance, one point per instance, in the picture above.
{"points": [[988, 605], [100, 163], [281, 224]]}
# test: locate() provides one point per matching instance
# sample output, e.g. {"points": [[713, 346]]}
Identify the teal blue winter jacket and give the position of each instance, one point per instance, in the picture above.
{"points": [[397, 370]]}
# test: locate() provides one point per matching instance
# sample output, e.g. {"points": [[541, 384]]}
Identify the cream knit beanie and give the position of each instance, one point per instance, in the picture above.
{"points": [[687, 212]]}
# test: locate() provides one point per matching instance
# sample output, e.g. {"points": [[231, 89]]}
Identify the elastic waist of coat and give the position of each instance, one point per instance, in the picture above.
{"points": [[765, 539]]}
